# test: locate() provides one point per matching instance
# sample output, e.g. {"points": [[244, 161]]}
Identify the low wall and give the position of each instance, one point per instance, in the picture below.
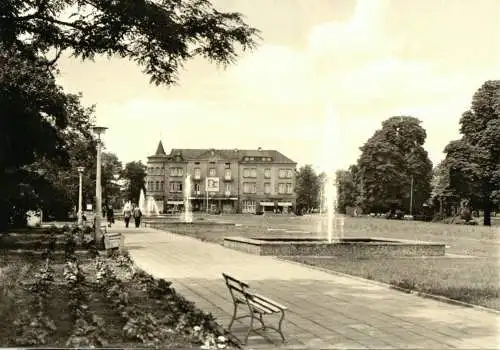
{"points": [[346, 248]]}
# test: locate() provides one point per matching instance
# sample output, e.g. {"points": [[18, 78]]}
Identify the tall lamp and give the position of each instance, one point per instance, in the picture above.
{"points": [[80, 173], [98, 130]]}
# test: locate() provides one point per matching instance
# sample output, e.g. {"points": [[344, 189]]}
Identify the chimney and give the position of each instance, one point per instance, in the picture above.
{"points": [[260, 148]]}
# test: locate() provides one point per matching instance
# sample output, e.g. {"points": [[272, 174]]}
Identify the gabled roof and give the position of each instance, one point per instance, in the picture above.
{"points": [[229, 154]]}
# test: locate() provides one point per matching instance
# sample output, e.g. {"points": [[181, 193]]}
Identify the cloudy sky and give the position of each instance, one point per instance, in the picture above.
{"points": [[325, 68]]}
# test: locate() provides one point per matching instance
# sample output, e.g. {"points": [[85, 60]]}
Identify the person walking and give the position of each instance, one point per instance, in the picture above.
{"points": [[110, 215], [127, 213], [137, 216]]}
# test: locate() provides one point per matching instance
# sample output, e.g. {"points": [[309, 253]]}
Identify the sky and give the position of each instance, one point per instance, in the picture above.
{"points": [[324, 77]]}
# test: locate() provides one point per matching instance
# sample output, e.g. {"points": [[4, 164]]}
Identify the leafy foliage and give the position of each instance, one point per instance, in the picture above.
{"points": [[474, 160], [158, 35], [135, 173], [389, 160], [307, 188]]}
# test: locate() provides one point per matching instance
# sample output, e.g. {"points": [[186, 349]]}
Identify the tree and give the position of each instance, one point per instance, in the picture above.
{"points": [[159, 35], [111, 170], [347, 188], [389, 161], [307, 188], [135, 173], [474, 160]]}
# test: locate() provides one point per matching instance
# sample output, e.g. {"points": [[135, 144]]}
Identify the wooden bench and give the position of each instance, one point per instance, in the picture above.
{"points": [[258, 306]]}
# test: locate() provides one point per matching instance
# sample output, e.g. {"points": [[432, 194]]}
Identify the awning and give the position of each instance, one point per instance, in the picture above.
{"points": [[285, 204], [175, 202], [267, 204]]}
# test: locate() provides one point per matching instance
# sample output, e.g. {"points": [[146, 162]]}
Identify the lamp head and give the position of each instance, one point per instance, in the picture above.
{"points": [[80, 169], [99, 130]]}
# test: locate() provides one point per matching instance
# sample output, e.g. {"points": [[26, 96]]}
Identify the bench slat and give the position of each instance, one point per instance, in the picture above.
{"points": [[227, 277], [270, 301], [260, 308]]}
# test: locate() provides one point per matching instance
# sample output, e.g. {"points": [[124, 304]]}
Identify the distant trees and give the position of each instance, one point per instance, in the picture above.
{"points": [[348, 189], [390, 161], [474, 160], [307, 188], [135, 173]]}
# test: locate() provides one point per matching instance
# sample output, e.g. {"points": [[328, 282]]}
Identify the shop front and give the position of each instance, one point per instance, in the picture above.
{"points": [[284, 207], [174, 206]]}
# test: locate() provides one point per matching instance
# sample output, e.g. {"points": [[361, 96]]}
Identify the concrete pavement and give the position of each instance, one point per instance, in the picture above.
{"points": [[325, 310]]}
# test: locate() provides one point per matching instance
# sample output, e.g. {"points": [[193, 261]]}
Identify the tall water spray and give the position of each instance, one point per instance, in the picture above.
{"points": [[332, 160], [188, 213], [148, 205]]}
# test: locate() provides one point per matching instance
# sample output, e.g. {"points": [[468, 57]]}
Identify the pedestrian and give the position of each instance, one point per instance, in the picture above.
{"points": [[137, 216], [110, 215], [127, 213]]}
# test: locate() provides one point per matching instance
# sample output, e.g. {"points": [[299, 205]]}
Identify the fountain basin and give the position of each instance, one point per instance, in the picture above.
{"points": [[357, 248]]}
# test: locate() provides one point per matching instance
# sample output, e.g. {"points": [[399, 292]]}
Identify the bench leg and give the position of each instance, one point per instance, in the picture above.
{"points": [[233, 318], [262, 322], [280, 324], [249, 329]]}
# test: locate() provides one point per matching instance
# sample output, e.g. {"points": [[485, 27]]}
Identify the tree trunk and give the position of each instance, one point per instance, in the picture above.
{"points": [[487, 215]]}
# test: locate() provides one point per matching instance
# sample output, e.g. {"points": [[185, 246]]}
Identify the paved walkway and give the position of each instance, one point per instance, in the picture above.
{"points": [[325, 310]]}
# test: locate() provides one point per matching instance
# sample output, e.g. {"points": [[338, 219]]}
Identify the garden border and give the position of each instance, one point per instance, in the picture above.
{"points": [[404, 290]]}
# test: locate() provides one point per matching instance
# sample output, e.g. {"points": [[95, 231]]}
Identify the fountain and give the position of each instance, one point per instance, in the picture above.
{"points": [[187, 216], [334, 244], [148, 205]]}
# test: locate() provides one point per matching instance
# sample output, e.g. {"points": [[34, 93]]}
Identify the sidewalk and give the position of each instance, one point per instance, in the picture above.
{"points": [[325, 310]]}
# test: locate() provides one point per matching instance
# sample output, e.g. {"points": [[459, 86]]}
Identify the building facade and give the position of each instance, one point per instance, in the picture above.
{"points": [[230, 181]]}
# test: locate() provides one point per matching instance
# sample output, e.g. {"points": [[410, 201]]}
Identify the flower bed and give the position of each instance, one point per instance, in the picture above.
{"points": [[70, 300]]}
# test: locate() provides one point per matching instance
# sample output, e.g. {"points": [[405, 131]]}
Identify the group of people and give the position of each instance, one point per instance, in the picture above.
{"points": [[132, 210]]}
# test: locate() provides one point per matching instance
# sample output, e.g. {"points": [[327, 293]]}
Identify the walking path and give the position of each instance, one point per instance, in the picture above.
{"points": [[325, 310]]}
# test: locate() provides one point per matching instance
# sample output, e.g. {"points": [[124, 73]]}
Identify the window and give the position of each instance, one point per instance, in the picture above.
{"points": [[176, 171], [197, 173], [228, 165], [157, 185], [249, 207], [212, 172], [267, 188], [267, 173], [176, 187], [228, 173], [289, 173], [281, 188], [289, 188], [161, 186], [196, 187], [282, 173], [249, 172], [249, 187], [227, 187]]}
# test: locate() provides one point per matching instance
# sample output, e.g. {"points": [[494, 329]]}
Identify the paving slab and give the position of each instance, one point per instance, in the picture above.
{"points": [[325, 310]]}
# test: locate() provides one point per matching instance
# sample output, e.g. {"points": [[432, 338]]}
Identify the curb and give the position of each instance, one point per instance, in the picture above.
{"points": [[399, 289]]}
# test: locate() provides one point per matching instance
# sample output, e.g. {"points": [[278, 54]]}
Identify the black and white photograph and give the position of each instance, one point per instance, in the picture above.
{"points": [[250, 174]]}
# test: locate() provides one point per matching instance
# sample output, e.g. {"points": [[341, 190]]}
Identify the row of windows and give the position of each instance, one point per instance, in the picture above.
{"points": [[283, 173], [212, 172], [251, 187], [177, 187], [262, 159], [154, 186]]}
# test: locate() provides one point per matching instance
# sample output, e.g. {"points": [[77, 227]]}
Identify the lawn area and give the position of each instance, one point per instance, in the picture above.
{"points": [[469, 272], [70, 299]]}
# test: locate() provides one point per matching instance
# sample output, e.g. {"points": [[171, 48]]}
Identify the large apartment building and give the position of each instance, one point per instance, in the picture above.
{"points": [[231, 181]]}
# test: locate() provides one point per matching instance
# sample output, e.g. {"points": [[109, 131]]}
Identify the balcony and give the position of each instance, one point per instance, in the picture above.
{"points": [[197, 176], [228, 177], [227, 193]]}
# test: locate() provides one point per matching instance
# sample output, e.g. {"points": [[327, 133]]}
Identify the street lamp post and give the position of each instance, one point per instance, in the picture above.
{"points": [[80, 173], [98, 189]]}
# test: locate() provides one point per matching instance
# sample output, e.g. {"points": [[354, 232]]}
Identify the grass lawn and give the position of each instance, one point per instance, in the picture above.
{"points": [[108, 303], [469, 273]]}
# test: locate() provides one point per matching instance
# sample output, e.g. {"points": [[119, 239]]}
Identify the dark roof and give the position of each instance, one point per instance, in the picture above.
{"points": [[229, 154], [160, 151]]}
